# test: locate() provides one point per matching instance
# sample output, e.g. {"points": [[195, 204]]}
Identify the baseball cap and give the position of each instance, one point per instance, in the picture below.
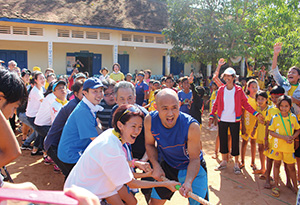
{"points": [[57, 83], [229, 71], [92, 83], [24, 72], [80, 75], [36, 68]]}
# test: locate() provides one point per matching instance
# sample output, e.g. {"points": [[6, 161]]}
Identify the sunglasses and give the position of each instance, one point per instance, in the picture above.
{"points": [[130, 109]]}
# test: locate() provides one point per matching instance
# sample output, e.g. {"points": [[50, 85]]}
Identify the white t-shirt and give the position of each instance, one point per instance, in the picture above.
{"points": [[34, 101], [228, 114], [103, 168], [43, 117], [54, 110]]}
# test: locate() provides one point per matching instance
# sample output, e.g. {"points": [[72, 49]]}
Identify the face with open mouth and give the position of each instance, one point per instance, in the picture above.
{"points": [[168, 109], [293, 76], [131, 129]]}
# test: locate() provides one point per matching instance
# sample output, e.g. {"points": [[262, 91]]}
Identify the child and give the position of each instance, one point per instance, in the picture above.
{"points": [[260, 129], [141, 89], [117, 75], [211, 101], [275, 93], [248, 122], [185, 96], [284, 128]]}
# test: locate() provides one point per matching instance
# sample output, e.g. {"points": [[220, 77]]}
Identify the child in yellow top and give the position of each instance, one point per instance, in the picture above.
{"points": [[275, 93], [284, 128], [117, 75], [260, 129], [248, 122]]}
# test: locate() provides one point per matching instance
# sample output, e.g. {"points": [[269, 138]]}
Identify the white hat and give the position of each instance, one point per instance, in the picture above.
{"points": [[229, 71]]}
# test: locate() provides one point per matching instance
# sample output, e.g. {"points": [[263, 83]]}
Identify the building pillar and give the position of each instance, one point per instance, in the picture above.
{"points": [[168, 64], [115, 54], [243, 67], [208, 71], [50, 54]]}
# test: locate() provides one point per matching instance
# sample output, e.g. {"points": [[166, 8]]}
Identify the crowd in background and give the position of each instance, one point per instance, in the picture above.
{"points": [[64, 114]]}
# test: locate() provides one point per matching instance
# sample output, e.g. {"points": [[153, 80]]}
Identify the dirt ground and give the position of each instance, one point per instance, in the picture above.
{"points": [[224, 187]]}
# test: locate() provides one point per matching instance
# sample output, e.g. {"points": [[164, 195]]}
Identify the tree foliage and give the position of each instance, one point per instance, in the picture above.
{"points": [[205, 30]]}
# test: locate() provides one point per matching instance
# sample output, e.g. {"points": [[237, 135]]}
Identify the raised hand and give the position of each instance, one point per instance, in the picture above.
{"points": [[277, 48], [221, 62]]}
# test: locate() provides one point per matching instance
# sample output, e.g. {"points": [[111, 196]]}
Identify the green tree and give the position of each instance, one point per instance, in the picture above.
{"points": [[276, 21], [205, 30]]}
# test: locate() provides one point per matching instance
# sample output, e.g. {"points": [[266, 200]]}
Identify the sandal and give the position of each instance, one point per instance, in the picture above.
{"points": [[253, 166], [262, 177], [275, 192], [242, 165], [258, 171], [221, 167], [237, 170]]}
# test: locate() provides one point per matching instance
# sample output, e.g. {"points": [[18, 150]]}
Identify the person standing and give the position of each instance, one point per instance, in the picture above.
{"points": [[229, 103]]}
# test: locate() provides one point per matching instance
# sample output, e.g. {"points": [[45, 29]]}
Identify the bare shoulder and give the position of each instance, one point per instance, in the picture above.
{"points": [[147, 121], [194, 130]]}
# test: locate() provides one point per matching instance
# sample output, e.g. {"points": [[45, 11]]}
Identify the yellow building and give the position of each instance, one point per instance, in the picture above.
{"points": [[97, 32]]}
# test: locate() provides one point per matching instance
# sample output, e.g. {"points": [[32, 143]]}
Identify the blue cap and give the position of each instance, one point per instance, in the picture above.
{"points": [[92, 83], [58, 82]]}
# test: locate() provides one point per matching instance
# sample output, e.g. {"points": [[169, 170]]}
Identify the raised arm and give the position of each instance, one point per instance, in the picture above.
{"points": [[277, 49], [151, 150], [216, 78]]}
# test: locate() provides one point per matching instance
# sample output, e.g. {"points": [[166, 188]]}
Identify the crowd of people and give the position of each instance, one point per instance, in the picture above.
{"points": [[98, 131]]}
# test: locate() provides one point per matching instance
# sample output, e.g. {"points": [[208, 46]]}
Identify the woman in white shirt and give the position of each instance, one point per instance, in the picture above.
{"points": [[35, 100], [103, 168]]}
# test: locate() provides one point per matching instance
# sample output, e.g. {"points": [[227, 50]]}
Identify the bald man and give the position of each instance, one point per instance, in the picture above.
{"points": [[178, 141]]}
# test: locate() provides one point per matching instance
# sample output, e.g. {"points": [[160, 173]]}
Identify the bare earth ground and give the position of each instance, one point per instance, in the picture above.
{"points": [[224, 187]]}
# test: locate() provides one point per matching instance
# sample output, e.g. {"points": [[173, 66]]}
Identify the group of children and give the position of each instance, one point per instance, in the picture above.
{"points": [[277, 135]]}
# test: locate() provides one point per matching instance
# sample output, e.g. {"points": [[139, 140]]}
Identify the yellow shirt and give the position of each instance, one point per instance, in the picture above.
{"points": [[249, 73], [270, 113], [261, 128], [292, 90], [212, 99], [46, 85], [276, 125], [249, 119], [117, 76]]}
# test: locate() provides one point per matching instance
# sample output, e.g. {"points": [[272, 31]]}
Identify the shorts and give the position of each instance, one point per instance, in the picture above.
{"points": [[260, 139], [288, 158], [199, 186]]}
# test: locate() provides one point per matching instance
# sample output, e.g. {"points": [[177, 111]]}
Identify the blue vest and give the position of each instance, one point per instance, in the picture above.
{"points": [[172, 143]]}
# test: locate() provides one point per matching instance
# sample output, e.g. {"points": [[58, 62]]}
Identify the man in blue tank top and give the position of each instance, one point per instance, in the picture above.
{"points": [[178, 141]]}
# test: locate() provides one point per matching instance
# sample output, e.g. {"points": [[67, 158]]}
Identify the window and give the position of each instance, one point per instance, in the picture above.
{"points": [[104, 36], [149, 39], [126, 37], [20, 30], [160, 40], [63, 33], [138, 38], [5, 29], [91, 35], [77, 34], [36, 31]]}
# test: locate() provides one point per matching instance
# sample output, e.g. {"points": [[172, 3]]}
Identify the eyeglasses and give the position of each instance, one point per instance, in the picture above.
{"points": [[109, 94], [130, 109]]}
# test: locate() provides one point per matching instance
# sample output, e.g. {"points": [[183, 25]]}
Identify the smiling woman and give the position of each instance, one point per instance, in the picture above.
{"points": [[103, 168]]}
